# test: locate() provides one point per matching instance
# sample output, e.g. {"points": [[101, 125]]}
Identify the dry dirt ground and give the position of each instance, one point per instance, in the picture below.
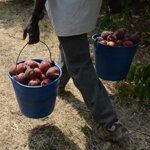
{"points": [[69, 126]]}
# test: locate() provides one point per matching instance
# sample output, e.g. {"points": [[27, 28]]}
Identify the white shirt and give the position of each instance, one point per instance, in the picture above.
{"points": [[73, 17]]}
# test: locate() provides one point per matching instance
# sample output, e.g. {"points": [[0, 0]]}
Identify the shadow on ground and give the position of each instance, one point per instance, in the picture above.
{"points": [[92, 142], [49, 137], [129, 114]]}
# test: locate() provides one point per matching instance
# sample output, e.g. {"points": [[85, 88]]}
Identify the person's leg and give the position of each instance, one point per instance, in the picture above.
{"points": [[79, 65], [65, 75]]}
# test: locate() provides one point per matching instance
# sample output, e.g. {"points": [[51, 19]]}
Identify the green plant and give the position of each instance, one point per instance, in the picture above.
{"points": [[138, 82]]}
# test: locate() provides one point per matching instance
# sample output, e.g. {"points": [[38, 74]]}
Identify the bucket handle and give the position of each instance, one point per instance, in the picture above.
{"points": [[27, 44], [24, 48]]}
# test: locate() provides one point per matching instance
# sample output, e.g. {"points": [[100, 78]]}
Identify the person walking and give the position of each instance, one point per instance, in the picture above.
{"points": [[72, 20]]}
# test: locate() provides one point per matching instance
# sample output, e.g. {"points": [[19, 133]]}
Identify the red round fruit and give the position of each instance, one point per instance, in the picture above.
{"points": [[111, 43], [38, 64], [34, 82], [119, 34], [43, 76], [38, 72], [128, 43], [52, 73], [21, 68], [27, 62], [44, 66], [47, 60], [13, 70], [134, 38], [112, 37], [99, 38], [123, 29], [105, 34], [33, 64], [125, 38], [119, 43], [103, 42], [21, 78], [30, 73], [46, 81]]}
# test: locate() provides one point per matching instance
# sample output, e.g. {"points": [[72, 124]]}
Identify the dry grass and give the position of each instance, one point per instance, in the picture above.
{"points": [[69, 126]]}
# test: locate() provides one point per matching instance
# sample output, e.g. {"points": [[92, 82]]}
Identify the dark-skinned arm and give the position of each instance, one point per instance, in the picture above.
{"points": [[114, 6], [39, 5], [32, 27]]}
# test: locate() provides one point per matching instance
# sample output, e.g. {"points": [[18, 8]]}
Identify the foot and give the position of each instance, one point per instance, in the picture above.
{"points": [[115, 132]]}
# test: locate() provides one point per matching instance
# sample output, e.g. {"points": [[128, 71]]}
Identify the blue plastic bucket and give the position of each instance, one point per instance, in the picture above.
{"points": [[112, 63], [36, 101]]}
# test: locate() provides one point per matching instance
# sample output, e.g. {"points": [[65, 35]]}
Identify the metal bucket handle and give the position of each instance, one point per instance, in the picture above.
{"points": [[27, 44], [24, 48]]}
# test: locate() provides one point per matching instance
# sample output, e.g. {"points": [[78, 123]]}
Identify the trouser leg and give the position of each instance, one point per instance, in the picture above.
{"points": [[79, 65], [65, 75]]}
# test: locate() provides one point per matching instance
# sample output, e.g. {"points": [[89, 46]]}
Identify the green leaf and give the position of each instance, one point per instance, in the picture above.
{"points": [[131, 73], [124, 91], [147, 92], [138, 76], [146, 72], [135, 92], [141, 93], [147, 87], [147, 83]]}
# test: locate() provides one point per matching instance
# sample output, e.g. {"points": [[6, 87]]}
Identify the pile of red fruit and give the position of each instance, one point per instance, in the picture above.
{"points": [[118, 38], [32, 73]]}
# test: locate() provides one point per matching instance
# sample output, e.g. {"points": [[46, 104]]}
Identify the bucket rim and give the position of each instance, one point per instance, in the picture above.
{"points": [[13, 78], [95, 40]]}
